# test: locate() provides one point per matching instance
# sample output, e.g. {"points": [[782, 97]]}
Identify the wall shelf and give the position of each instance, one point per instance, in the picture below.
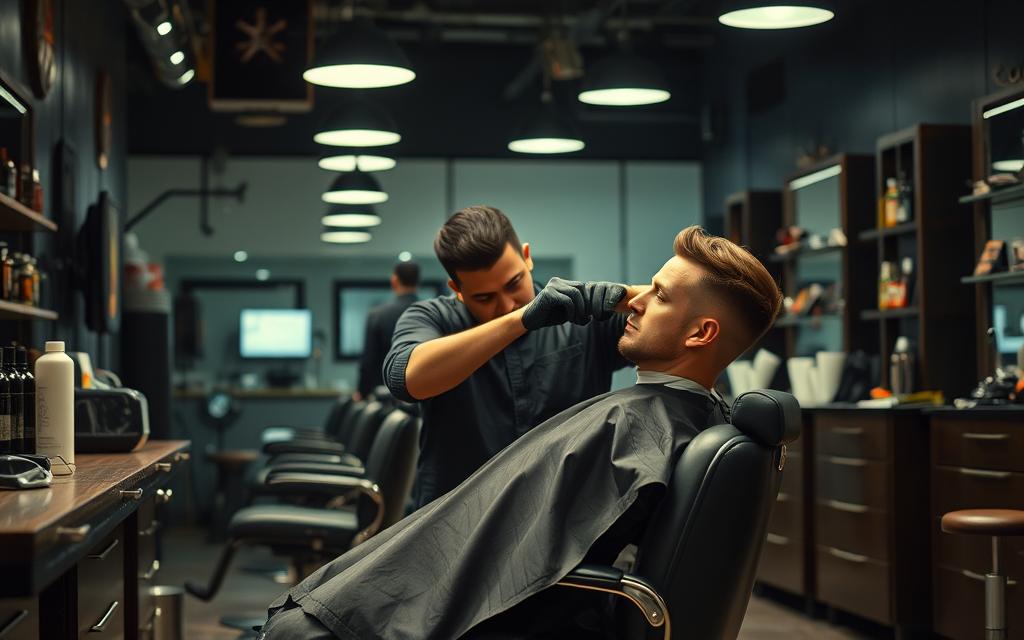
{"points": [[798, 320], [17, 311], [1003, 278], [15, 216], [906, 228], [997, 196], [803, 253], [885, 314]]}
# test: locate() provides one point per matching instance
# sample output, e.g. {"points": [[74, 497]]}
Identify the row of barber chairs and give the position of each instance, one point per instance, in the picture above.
{"points": [[694, 569]]}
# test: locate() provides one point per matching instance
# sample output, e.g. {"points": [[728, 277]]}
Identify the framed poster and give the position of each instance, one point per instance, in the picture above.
{"points": [[259, 50]]}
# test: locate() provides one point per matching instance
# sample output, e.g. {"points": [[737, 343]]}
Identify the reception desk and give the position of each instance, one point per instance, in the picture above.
{"points": [[77, 558]]}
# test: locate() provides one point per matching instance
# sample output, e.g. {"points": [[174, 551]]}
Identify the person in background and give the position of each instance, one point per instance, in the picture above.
{"points": [[380, 325]]}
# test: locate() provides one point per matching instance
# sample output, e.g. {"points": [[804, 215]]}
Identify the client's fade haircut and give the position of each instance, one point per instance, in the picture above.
{"points": [[735, 276], [408, 273], [473, 239]]}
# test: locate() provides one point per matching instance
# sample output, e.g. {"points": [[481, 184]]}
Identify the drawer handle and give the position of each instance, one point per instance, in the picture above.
{"points": [[782, 497], [103, 554], [150, 530], [985, 436], [848, 462], [981, 578], [73, 534], [152, 620], [849, 507], [848, 431], [13, 622], [182, 456], [774, 538], [105, 620], [163, 496], [131, 494], [163, 466], [846, 555], [981, 473], [153, 568]]}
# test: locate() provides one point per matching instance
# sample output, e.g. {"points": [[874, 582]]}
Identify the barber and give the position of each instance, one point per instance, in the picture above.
{"points": [[500, 356]]}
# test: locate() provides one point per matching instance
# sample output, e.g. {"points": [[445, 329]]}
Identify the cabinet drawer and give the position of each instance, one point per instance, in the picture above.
{"points": [[959, 606], [974, 553], [101, 601], [955, 488], [782, 563], [986, 444], [853, 480], [851, 436], [854, 528], [787, 518], [19, 618], [853, 582]]}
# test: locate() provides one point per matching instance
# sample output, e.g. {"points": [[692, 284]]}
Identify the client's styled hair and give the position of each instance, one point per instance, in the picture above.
{"points": [[473, 239], [735, 276]]}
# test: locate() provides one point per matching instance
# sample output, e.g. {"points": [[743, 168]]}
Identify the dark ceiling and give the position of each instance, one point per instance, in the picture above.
{"points": [[478, 73]]}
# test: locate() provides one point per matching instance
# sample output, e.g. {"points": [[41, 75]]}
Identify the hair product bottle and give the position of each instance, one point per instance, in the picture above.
{"points": [[28, 395], [5, 409], [17, 401], [55, 400]]}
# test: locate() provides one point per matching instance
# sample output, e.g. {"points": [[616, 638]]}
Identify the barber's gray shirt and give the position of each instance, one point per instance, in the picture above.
{"points": [[535, 377]]}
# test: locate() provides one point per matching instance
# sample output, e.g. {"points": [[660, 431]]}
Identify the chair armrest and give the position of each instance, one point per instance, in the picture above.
{"points": [[340, 486], [304, 445], [633, 588], [325, 468], [284, 433]]}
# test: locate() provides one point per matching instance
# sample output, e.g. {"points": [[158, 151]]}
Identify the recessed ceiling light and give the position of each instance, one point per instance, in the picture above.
{"points": [[241, 256], [404, 256], [263, 274], [177, 57], [164, 28]]}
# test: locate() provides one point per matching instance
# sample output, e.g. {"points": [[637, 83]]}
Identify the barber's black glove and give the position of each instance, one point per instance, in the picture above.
{"points": [[572, 301]]}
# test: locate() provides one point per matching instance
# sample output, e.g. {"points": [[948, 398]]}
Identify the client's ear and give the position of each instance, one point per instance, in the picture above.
{"points": [[454, 287], [704, 332]]}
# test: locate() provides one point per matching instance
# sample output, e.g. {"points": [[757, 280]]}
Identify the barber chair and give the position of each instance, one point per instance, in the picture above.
{"points": [[335, 419], [357, 507], [696, 564], [996, 523]]}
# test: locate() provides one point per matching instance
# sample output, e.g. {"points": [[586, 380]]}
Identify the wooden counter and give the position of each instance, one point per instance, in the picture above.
{"points": [[261, 393], [72, 553]]}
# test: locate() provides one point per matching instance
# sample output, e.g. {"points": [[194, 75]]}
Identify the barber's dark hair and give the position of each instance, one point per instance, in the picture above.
{"points": [[408, 273], [473, 239]]}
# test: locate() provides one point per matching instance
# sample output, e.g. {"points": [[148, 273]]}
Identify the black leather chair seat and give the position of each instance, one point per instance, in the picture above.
{"points": [[279, 523]]}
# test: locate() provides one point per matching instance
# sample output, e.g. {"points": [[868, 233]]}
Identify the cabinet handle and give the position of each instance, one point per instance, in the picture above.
{"points": [[152, 620], [775, 538], [782, 497], [153, 568], [131, 494], [103, 554], [985, 436], [846, 555], [73, 534], [849, 507], [102, 624], [981, 473], [980, 578], [182, 456], [848, 462], [163, 466], [13, 622], [848, 431], [150, 530], [163, 496]]}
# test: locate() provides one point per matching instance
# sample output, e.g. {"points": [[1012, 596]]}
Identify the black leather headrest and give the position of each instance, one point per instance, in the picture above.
{"points": [[768, 416]]}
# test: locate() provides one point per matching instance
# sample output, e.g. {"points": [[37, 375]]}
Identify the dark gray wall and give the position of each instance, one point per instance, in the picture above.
{"points": [[90, 36], [877, 68]]}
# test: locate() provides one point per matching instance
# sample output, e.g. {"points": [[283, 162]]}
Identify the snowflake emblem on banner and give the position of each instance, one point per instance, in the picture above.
{"points": [[261, 37]]}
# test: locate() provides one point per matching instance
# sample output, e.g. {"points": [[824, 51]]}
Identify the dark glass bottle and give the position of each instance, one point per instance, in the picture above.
{"points": [[28, 395], [5, 409], [17, 402]]}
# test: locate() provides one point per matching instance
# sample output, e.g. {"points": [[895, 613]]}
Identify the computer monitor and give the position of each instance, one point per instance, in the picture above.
{"points": [[276, 333]]}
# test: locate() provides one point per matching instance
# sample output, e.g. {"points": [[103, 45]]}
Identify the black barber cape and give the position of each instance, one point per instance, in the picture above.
{"points": [[513, 528]]}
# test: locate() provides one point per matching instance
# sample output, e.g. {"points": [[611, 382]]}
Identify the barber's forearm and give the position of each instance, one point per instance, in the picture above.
{"points": [[441, 364], [632, 291]]}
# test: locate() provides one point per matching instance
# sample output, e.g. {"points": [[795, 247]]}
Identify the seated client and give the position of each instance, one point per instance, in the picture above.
{"points": [[582, 484]]}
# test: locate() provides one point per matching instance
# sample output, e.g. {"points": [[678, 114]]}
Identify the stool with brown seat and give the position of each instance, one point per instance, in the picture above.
{"points": [[996, 523]]}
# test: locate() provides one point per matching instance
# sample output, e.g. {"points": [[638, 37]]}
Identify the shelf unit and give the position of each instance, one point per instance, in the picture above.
{"points": [[935, 160], [1006, 278], [17, 218]]}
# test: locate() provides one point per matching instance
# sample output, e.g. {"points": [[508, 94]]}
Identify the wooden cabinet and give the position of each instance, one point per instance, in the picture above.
{"points": [[783, 562], [977, 462], [73, 552], [870, 472]]}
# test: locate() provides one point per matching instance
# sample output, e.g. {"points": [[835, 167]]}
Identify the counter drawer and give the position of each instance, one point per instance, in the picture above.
{"points": [[19, 618], [101, 596], [851, 436], [793, 477], [853, 582], [853, 480], [782, 563], [852, 527], [787, 519], [955, 488], [959, 606], [988, 444]]}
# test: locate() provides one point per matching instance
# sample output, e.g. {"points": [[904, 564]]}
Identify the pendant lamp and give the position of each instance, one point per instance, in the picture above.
{"points": [[348, 216], [344, 236], [624, 79], [358, 123], [784, 14], [359, 56], [355, 187], [546, 131], [352, 159]]}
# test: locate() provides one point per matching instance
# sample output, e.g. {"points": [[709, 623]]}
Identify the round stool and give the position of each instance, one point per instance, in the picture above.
{"points": [[995, 523], [230, 492]]}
